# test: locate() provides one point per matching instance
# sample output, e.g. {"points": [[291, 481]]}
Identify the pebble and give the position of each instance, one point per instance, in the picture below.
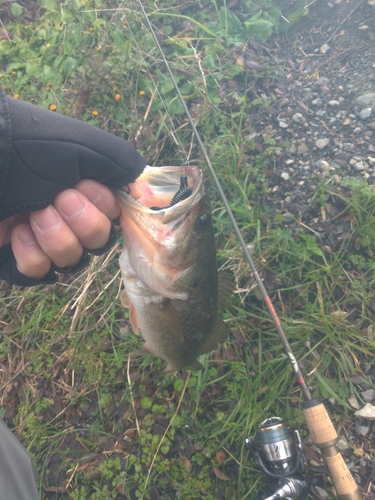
{"points": [[297, 117], [325, 166], [316, 102], [321, 493], [371, 125], [324, 48], [353, 402], [342, 444], [368, 395], [322, 143], [283, 124], [361, 430], [365, 113], [320, 112], [367, 412], [302, 148], [333, 102], [366, 99], [359, 166], [288, 217], [285, 176]]}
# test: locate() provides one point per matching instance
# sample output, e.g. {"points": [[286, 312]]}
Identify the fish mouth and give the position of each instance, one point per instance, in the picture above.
{"points": [[158, 186]]}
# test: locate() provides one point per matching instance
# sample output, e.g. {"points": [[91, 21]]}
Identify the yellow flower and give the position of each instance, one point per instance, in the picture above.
{"points": [[16, 96], [117, 97], [52, 107], [99, 48], [14, 72], [95, 113], [91, 28], [141, 92]]}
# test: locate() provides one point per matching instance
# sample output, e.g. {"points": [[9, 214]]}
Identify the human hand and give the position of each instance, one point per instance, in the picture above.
{"points": [[42, 156], [79, 219]]}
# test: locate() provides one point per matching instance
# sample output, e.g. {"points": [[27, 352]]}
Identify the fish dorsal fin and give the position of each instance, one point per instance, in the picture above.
{"points": [[217, 334], [171, 317], [225, 289]]}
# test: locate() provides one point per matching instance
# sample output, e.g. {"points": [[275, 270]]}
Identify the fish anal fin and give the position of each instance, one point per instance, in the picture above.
{"points": [[195, 365], [172, 319], [143, 351], [217, 334], [226, 286]]}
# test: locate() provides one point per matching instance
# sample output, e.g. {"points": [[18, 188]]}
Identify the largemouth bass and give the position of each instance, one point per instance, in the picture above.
{"points": [[168, 265]]}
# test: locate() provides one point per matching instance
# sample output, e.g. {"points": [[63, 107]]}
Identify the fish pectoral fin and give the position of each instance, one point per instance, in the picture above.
{"points": [[133, 318], [124, 299], [217, 334], [143, 351], [225, 288], [172, 319]]}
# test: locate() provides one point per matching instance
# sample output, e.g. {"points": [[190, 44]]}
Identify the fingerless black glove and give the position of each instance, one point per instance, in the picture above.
{"points": [[42, 153]]}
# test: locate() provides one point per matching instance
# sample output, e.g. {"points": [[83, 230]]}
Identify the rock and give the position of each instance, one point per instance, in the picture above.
{"points": [[353, 402], [371, 125], [366, 100], [322, 143], [285, 176], [302, 148], [368, 395], [321, 493], [342, 444], [367, 412], [320, 112], [324, 48], [365, 113], [361, 430], [333, 102], [297, 117]]}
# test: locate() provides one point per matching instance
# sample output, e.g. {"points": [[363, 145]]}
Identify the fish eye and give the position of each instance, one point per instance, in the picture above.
{"points": [[203, 221]]}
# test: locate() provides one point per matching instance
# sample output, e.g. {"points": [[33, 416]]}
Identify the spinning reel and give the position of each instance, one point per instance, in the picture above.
{"points": [[279, 453]]}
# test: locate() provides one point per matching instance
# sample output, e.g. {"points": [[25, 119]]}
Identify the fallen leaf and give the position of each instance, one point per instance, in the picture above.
{"points": [[186, 462], [221, 475], [220, 456]]}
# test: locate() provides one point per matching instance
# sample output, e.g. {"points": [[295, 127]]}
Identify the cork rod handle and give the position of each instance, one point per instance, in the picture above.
{"points": [[325, 437]]}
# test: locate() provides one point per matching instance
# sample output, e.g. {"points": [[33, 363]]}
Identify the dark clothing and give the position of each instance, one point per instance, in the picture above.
{"points": [[41, 154]]}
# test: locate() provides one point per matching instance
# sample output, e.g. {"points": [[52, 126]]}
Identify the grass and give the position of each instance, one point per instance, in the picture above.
{"points": [[97, 425]]}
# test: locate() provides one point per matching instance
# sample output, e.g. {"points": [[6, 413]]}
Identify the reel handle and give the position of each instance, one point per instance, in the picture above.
{"points": [[325, 437]]}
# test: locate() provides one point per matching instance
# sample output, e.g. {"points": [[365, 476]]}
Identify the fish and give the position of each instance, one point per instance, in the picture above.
{"points": [[172, 287]]}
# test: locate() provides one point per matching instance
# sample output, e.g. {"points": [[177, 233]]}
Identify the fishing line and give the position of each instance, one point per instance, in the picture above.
{"points": [[319, 423], [174, 134]]}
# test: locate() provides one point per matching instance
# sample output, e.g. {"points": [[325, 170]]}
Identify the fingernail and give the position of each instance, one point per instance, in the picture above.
{"points": [[91, 193], [71, 205], [48, 219], [26, 236]]}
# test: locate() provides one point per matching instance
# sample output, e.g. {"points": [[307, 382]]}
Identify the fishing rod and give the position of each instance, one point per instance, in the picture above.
{"points": [[318, 421]]}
